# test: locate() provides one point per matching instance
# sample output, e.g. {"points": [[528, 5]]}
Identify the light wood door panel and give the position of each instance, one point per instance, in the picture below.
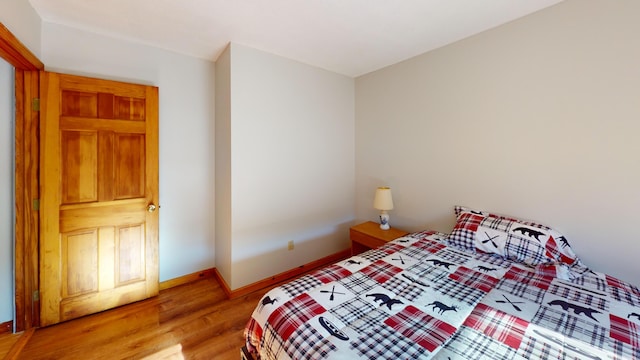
{"points": [[99, 173], [79, 262], [79, 168], [130, 254], [128, 160]]}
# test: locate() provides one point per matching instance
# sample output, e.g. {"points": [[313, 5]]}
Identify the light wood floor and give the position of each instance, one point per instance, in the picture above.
{"points": [[192, 321]]}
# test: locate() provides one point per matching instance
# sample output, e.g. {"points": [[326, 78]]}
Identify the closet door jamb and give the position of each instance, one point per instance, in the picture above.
{"points": [[27, 149]]}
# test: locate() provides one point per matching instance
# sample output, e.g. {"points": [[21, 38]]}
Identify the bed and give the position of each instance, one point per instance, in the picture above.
{"points": [[496, 287]]}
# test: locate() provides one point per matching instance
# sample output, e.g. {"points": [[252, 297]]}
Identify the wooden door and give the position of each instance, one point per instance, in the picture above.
{"points": [[99, 190]]}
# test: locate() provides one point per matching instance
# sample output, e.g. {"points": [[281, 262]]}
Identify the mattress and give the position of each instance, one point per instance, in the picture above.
{"points": [[422, 297]]}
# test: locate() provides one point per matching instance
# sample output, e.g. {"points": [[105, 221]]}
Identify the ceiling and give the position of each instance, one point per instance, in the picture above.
{"points": [[350, 37]]}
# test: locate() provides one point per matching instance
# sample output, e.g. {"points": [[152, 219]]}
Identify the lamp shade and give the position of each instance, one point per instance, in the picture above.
{"points": [[383, 200]]}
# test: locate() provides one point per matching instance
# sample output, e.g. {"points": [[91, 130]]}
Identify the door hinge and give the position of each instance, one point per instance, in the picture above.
{"points": [[36, 204], [35, 104], [36, 295]]}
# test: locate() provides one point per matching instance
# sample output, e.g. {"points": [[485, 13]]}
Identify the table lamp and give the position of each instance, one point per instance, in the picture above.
{"points": [[383, 202]]}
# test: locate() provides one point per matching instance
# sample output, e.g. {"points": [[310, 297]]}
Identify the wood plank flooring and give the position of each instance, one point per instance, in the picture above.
{"points": [[191, 321], [6, 343]]}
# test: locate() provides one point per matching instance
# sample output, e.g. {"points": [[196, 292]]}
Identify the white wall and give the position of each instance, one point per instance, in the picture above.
{"points": [[23, 22], [537, 118], [292, 163], [7, 202], [223, 164], [186, 87]]}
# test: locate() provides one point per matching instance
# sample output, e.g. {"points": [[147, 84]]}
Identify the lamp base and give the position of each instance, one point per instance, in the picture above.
{"points": [[384, 220]]}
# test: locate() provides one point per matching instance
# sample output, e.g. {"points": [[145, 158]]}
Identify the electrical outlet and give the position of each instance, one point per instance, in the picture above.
{"points": [[290, 245]]}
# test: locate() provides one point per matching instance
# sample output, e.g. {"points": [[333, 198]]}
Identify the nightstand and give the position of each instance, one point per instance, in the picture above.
{"points": [[368, 235]]}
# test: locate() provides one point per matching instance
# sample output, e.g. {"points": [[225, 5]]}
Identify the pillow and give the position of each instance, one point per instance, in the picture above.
{"points": [[514, 239]]}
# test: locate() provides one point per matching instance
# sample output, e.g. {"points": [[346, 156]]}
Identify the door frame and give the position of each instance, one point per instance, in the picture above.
{"points": [[27, 163]]}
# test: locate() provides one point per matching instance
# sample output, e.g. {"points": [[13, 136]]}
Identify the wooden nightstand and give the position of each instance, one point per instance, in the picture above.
{"points": [[368, 235]]}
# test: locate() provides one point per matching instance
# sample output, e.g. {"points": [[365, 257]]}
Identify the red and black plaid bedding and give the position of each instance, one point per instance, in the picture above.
{"points": [[417, 298]]}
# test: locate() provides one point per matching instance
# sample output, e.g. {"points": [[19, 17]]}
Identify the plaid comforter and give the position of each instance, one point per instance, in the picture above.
{"points": [[417, 298]]}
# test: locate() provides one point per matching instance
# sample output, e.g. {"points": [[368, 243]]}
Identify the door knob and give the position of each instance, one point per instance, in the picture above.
{"points": [[151, 208]]}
